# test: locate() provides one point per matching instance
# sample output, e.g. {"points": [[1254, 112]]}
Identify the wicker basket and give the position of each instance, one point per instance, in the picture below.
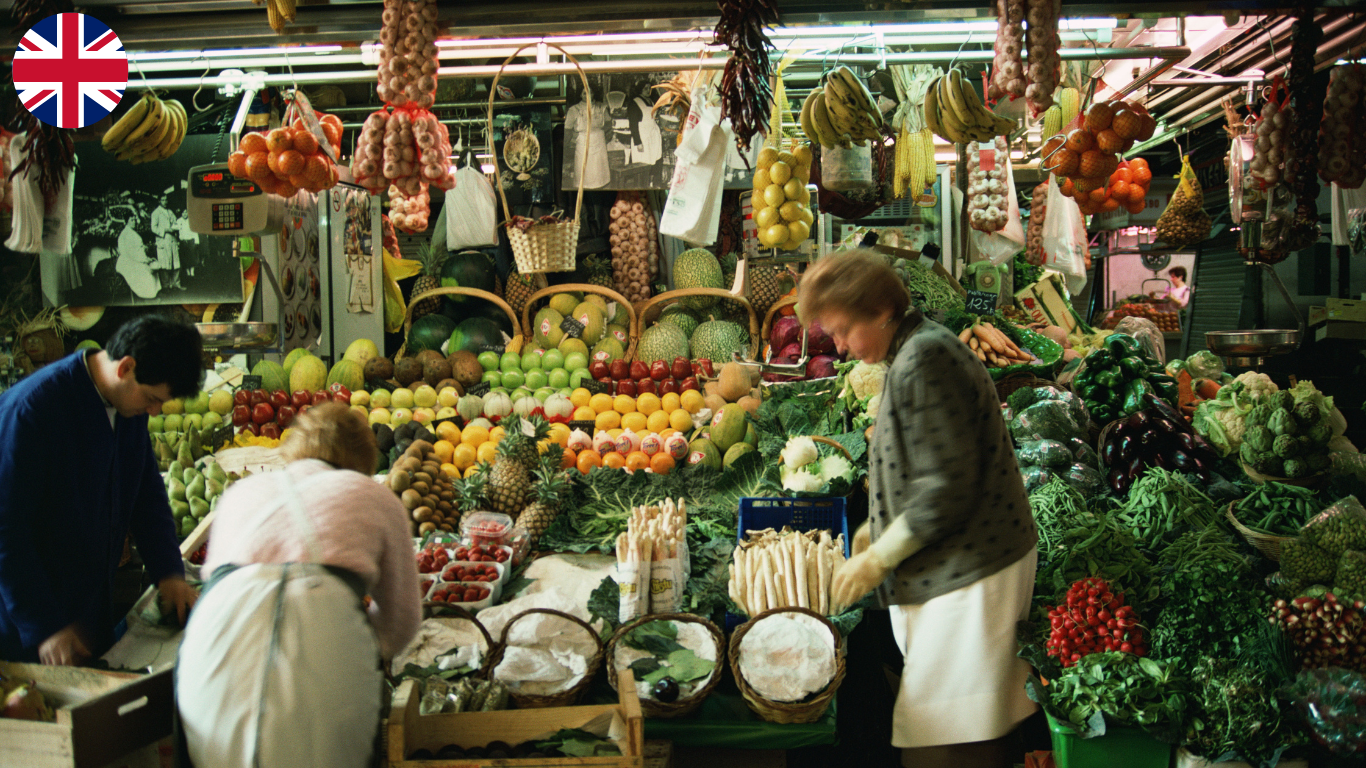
{"points": [[652, 308], [474, 292], [786, 712], [563, 698], [458, 613], [633, 322], [1268, 545], [542, 247], [659, 709], [1303, 482], [829, 442], [774, 312], [1008, 385]]}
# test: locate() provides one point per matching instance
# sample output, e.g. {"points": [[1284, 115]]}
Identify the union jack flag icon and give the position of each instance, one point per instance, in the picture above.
{"points": [[70, 70]]}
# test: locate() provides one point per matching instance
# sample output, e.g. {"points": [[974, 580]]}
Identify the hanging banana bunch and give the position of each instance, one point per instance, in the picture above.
{"points": [[842, 113], [915, 165], [954, 111], [151, 129]]}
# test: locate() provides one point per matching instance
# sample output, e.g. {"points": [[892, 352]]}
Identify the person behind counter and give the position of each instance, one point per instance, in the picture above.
{"points": [[280, 662], [949, 544], [1179, 294]]}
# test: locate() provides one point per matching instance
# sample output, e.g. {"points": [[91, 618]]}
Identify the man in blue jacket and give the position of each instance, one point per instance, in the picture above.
{"points": [[77, 474]]}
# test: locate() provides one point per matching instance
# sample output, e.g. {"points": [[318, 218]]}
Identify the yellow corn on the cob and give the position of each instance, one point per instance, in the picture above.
{"points": [[1070, 101], [1052, 121], [931, 167]]}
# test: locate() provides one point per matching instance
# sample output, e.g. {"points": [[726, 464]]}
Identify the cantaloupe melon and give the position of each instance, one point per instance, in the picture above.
{"points": [[309, 374]]}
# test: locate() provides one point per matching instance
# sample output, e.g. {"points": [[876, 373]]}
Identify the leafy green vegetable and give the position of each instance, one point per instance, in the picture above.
{"points": [[1209, 611], [1163, 505], [1103, 548], [605, 603], [1236, 714], [658, 638], [683, 666], [1025, 274], [575, 742], [1118, 687]]}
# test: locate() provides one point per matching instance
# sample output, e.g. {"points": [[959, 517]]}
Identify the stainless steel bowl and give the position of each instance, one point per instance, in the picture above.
{"points": [[1263, 343], [238, 335]]}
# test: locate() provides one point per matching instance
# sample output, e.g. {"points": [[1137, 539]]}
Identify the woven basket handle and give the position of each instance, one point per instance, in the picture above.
{"points": [[588, 102], [503, 640], [461, 612]]}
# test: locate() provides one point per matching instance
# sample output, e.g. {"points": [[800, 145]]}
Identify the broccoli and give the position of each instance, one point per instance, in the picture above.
{"points": [[1282, 423], [1286, 447], [1259, 415], [1295, 468], [1260, 438], [1021, 399], [1307, 415]]}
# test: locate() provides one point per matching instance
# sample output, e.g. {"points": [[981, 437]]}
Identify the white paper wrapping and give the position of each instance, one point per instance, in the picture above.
{"points": [[787, 657]]}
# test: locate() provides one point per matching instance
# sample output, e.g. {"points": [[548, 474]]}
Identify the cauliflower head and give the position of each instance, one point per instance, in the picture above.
{"points": [[801, 480], [1256, 384], [866, 380], [799, 452]]}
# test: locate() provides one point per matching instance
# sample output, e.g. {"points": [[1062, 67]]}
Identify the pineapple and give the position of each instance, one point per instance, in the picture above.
{"points": [[430, 279], [763, 287], [469, 494], [518, 454], [519, 290], [552, 486], [598, 271]]}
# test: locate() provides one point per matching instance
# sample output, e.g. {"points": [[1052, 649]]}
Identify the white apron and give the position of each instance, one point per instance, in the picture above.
{"points": [[962, 681], [279, 666]]}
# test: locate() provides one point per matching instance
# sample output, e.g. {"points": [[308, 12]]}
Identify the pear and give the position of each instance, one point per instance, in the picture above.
{"points": [[196, 449], [179, 510], [184, 456], [199, 508], [212, 488], [213, 503], [177, 471], [195, 489], [187, 525], [214, 470], [189, 476], [177, 492]]}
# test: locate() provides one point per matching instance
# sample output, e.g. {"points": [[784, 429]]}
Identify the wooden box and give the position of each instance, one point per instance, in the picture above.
{"points": [[408, 730], [101, 716]]}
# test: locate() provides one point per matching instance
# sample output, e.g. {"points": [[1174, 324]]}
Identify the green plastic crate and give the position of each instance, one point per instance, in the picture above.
{"points": [[1118, 748]]}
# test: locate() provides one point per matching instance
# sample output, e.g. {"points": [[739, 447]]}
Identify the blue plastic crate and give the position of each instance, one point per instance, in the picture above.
{"points": [[757, 514]]}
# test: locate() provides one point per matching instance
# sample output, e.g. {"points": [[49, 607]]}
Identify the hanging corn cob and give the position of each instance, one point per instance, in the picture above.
{"points": [[915, 143]]}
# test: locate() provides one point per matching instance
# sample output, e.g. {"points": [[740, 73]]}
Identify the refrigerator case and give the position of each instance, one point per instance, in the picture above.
{"points": [[328, 265]]}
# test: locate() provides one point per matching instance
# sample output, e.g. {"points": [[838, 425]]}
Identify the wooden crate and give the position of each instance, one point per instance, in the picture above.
{"points": [[408, 730], [101, 716]]}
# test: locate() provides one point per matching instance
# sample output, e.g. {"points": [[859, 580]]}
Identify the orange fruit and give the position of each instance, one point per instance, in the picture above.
{"points": [[587, 459], [1098, 195], [1083, 186], [1120, 190], [290, 162], [1098, 165], [279, 140], [1142, 175], [1123, 174], [252, 143], [568, 460], [1136, 206], [637, 460], [1099, 116], [1065, 163], [1080, 140], [316, 168], [237, 164], [1067, 187], [305, 142], [661, 463], [614, 460], [258, 166], [1109, 141], [1127, 124], [1137, 163], [1110, 204], [333, 131]]}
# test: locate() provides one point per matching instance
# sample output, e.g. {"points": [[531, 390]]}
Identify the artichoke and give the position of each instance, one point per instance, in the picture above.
{"points": [[1260, 438], [1268, 464], [1258, 416], [1283, 400], [1282, 423], [1321, 433], [1250, 455], [1307, 415], [1286, 447], [1296, 468]]}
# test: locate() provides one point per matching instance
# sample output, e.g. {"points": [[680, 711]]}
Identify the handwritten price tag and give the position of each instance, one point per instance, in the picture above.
{"points": [[986, 155], [980, 302]]}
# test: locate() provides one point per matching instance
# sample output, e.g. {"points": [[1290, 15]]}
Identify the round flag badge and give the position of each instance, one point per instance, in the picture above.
{"points": [[70, 70]]}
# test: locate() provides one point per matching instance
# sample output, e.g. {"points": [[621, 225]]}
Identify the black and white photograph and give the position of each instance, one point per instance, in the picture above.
{"points": [[522, 143], [132, 243]]}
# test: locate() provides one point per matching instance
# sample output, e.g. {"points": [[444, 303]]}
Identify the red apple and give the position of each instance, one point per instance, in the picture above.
{"points": [[301, 398], [599, 370], [689, 383], [285, 415], [302, 409], [342, 397], [639, 370], [339, 389], [241, 414], [705, 364], [659, 370], [241, 397], [620, 370], [322, 396], [668, 385], [605, 380], [271, 430], [647, 387], [626, 387], [278, 398], [262, 412], [255, 429], [681, 368], [695, 368], [259, 396]]}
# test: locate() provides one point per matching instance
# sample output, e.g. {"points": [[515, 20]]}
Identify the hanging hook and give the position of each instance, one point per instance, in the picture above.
{"points": [[194, 100]]}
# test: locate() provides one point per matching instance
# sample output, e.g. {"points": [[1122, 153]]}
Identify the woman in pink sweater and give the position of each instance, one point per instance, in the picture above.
{"points": [[280, 664]]}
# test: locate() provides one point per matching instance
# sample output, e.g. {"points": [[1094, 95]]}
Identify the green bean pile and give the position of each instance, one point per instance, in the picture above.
{"points": [[1277, 509], [1207, 547], [923, 281], [1161, 504], [1057, 508]]}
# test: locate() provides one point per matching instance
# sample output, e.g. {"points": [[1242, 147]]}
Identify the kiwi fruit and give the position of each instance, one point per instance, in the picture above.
{"points": [[425, 528], [422, 445], [379, 368], [423, 476], [408, 370], [411, 499], [434, 371]]}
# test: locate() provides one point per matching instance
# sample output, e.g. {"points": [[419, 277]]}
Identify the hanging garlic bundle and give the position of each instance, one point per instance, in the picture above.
{"points": [[987, 188], [1273, 132], [1342, 153], [1007, 64], [635, 246], [407, 56], [1045, 63]]}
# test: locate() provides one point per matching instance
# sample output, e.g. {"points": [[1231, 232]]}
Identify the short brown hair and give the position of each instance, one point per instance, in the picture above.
{"points": [[334, 433], [1177, 272], [857, 281]]}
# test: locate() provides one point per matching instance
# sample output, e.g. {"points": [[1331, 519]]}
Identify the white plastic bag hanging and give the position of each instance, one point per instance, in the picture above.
{"points": [[693, 210], [470, 211], [1064, 238], [999, 246]]}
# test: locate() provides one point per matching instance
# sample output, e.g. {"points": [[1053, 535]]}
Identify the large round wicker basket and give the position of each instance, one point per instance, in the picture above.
{"points": [[633, 322], [808, 711], [650, 311], [653, 707], [472, 292], [563, 698]]}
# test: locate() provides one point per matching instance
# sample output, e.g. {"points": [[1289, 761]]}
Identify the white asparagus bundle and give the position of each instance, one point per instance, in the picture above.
{"points": [[660, 530], [782, 569], [653, 554]]}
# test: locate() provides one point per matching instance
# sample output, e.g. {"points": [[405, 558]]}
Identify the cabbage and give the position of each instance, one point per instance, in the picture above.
{"points": [[1204, 365]]}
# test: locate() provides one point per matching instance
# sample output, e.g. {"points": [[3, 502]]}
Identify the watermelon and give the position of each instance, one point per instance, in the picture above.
{"points": [[428, 333], [468, 269], [477, 334], [480, 308]]}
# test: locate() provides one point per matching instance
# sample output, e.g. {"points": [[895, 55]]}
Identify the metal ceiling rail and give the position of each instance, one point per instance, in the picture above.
{"points": [[1252, 43]]}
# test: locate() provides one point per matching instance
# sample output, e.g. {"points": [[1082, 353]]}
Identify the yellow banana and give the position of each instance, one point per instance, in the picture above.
{"points": [[153, 138], [173, 137], [931, 109], [846, 116], [114, 137], [859, 92], [820, 118], [155, 115], [955, 130], [808, 125]]}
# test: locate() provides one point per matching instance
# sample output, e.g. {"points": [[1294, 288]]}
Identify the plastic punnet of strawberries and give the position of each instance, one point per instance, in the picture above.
{"points": [[482, 554], [484, 573], [460, 593], [1093, 620], [432, 558]]}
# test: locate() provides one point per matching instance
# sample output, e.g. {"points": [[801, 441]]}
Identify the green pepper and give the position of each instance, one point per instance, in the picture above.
{"points": [[1123, 345], [1099, 359], [1134, 394], [1168, 392], [1110, 377], [1133, 366]]}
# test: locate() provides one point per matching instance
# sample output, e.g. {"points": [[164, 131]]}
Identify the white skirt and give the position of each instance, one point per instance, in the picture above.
{"points": [[962, 681], [279, 661]]}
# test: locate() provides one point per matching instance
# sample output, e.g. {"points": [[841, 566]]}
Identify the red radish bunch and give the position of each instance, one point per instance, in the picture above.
{"points": [[1093, 620], [432, 559], [1326, 632], [460, 593], [485, 573], [481, 554]]}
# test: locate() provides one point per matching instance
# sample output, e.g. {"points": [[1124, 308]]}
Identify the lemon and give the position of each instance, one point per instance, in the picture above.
{"points": [[658, 421], [600, 403], [802, 173], [584, 413], [497, 434], [767, 157], [777, 234], [580, 397], [766, 217], [788, 158], [668, 402], [647, 403], [773, 195], [791, 211], [464, 456], [680, 420], [486, 452], [779, 172], [607, 420], [473, 436], [469, 471], [808, 217], [798, 230], [634, 421], [691, 400], [450, 470], [559, 434], [761, 179], [793, 189], [624, 404], [802, 154], [802, 194], [444, 449], [615, 433]]}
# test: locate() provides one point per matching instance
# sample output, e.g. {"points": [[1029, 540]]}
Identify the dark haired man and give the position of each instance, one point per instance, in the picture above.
{"points": [[77, 474]]}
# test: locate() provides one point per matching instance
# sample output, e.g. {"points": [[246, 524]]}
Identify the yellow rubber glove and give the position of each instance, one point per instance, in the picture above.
{"points": [[856, 578]]}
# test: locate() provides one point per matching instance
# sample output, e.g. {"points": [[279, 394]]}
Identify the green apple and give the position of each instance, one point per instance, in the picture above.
{"points": [[566, 391], [174, 422], [400, 416], [447, 397], [195, 420], [380, 416], [553, 358], [531, 358], [220, 402], [173, 406], [156, 424], [446, 412], [536, 378], [510, 362], [360, 397], [424, 397], [489, 360], [576, 361], [361, 410], [199, 404], [558, 378], [544, 393], [402, 398], [519, 393], [493, 378], [578, 377], [380, 398], [513, 379], [212, 420]]}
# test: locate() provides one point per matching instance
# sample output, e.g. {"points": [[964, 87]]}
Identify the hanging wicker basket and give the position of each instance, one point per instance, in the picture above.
{"points": [[563, 698], [473, 292], [659, 709], [651, 310], [632, 325], [808, 711], [542, 246]]}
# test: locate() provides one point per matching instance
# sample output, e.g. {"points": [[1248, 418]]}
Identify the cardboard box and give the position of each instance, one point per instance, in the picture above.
{"points": [[1335, 329], [1317, 316], [1347, 310], [1046, 302]]}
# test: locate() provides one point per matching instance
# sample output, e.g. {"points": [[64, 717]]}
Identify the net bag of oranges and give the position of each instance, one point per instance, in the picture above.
{"points": [[1185, 221], [298, 155], [1086, 157]]}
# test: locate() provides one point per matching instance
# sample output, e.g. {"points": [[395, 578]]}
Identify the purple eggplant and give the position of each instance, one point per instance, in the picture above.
{"points": [[1137, 419], [1118, 482], [1183, 461], [1110, 453], [1164, 424], [1149, 436], [1187, 441], [1128, 445], [1163, 407], [1137, 466]]}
